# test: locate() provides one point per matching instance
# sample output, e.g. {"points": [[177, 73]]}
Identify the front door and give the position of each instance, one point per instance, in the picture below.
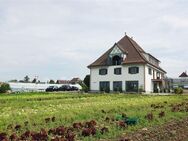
{"points": [[155, 89], [131, 86]]}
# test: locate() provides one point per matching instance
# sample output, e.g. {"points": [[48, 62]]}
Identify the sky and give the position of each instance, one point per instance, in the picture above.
{"points": [[58, 39]]}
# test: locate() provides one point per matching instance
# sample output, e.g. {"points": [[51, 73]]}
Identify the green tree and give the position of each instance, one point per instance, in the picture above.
{"points": [[34, 80], [26, 79], [84, 87], [52, 81], [178, 90], [14, 80], [4, 88], [87, 81]]}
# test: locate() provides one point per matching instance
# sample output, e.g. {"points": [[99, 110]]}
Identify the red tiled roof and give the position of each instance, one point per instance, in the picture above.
{"points": [[134, 54], [75, 80], [63, 81]]}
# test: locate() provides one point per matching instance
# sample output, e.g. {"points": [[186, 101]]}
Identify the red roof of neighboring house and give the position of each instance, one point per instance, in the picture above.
{"points": [[75, 80], [184, 74], [134, 54], [63, 81]]}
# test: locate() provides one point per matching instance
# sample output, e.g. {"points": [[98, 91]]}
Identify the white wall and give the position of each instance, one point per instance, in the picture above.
{"points": [[148, 77], [125, 76]]}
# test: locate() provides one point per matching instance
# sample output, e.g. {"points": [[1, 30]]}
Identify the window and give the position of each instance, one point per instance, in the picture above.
{"points": [[150, 71], [116, 60], [158, 75], [104, 86], [117, 86], [103, 71], [117, 71], [131, 86], [133, 70]]}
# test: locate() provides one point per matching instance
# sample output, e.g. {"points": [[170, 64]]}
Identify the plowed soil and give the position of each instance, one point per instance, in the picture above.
{"points": [[171, 131]]}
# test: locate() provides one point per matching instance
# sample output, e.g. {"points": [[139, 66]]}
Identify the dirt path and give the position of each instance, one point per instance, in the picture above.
{"points": [[171, 131]]}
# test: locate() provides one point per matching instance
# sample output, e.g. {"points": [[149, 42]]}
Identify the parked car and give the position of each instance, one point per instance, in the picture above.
{"points": [[73, 88], [52, 89], [65, 88]]}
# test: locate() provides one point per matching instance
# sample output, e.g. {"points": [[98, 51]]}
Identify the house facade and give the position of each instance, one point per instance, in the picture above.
{"points": [[126, 67]]}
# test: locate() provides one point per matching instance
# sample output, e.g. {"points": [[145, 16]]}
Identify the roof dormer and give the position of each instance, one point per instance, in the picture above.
{"points": [[116, 56]]}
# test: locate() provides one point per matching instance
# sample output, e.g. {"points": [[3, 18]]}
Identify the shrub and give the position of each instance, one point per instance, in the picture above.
{"points": [[165, 90], [140, 90], [156, 90], [118, 89], [4, 88], [87, 81], [107, 90], [84, 87], [178, 90]]}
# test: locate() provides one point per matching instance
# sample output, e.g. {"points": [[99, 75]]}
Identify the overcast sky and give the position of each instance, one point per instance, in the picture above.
{"points": [[57, 39]]}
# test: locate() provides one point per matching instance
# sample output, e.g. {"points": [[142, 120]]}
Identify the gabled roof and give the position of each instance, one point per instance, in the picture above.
{"points": [[75, 80], [184, 74], [63, 81], [134, 54]]}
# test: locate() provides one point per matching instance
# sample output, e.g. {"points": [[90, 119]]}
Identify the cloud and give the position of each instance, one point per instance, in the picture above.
{"points": [[176, 22], [59, 38]]}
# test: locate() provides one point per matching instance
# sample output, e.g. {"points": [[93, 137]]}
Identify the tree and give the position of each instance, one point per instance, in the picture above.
{"points": [[84, 87], [4, 88], [14, 80], [26, 79], [21, 81], [87, 81], [52, 81], [34, 80]]}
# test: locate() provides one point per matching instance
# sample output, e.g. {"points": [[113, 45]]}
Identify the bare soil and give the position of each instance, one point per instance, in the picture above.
{"points": [[171, 131]]}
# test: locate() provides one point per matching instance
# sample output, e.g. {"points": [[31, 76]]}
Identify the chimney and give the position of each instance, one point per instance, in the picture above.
{"points": [[125, 33]]}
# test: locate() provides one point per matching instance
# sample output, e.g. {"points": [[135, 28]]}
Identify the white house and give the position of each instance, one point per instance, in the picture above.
{"points": [[126, 67]]}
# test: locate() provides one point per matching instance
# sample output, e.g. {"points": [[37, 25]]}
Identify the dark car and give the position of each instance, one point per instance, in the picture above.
{"points": [[73, 88], [65, 88], [52, 89]]}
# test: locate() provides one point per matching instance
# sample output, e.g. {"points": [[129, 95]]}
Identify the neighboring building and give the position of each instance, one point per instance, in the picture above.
{"points": [[127, 67], [63, 82], [182, 81], [72, 81], [75, 80], [184, 75]]}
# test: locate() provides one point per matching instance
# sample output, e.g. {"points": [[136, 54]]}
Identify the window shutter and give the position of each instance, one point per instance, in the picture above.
{"points": [[137, 69], [130, 70], [100, 71]]}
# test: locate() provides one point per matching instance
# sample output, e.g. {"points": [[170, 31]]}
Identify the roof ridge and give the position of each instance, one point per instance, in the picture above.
{"points": [[183, 74], [136, 48]]}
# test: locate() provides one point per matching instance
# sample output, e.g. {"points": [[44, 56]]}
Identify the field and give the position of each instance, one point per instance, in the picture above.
{"points": [[85, 116]]}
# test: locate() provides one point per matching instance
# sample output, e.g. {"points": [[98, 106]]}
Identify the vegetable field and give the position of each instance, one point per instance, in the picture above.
{"points": [[61, 116]]}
